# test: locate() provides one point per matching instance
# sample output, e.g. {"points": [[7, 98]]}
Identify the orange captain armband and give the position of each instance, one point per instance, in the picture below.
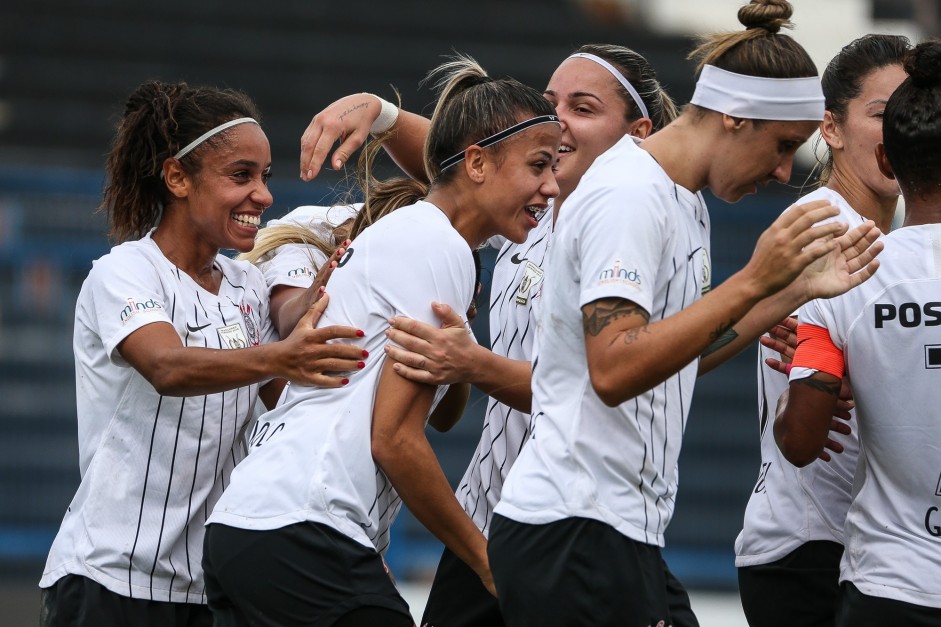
{"points": [[817, 351]]}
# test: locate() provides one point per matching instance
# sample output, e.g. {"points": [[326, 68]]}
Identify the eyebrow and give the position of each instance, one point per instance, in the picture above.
{"points": [[248, 163], [575, 94], [881, 101]]}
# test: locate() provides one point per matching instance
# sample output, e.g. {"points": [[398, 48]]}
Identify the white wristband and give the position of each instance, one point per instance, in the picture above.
{"points": [[388, 114]]}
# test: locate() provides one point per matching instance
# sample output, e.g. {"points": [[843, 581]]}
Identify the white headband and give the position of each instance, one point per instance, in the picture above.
{"points": [[759, 98], [196, 142], [620, 77]]}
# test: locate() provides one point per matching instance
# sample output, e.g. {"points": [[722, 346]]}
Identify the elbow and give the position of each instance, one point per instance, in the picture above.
{"points": [[794, 448], [611, 391], [385, 451], [167, 383]]}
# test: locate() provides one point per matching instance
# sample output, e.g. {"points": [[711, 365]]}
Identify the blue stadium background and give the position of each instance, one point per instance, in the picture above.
{"points": [[65, 68]]}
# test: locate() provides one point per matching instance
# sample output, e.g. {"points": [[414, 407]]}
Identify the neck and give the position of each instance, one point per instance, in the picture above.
{"points": [[681, 151], [184, 249], [922, 209], [458, 206], [863, 199]]}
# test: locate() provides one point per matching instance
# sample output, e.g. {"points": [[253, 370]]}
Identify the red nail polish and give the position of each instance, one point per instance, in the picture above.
{"points": [[361, 364], [360, 333], [345, 381], [365, 353]]}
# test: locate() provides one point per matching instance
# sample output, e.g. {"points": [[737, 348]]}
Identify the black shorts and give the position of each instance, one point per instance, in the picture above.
{"points": [[76, 601], [860, 610], [458, 597], [303, 574], [802, 589], [579, 571]]}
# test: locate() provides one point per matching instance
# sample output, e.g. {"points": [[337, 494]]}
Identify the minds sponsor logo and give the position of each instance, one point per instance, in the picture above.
{"points": [[305, 271], [133, 308], [617, 273]]}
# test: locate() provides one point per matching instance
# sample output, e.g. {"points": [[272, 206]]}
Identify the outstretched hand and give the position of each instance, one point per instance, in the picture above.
{"points": [[425, 354], [346, 121], [309, 357], [850, 261]]}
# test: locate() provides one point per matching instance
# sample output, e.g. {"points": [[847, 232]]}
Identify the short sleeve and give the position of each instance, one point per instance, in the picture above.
{"points": [[125, 294], [621, 239], [292, 265]]}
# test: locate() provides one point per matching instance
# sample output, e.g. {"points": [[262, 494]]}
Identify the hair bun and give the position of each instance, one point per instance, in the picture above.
{"points": [[923, 64], [770, 15]]}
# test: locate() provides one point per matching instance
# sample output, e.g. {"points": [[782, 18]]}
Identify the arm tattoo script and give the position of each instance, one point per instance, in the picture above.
{"points": [[600, 313], [833, 389], [364, 105]]}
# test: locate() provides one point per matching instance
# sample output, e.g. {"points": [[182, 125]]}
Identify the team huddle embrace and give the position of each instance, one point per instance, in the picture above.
{"points": [[250, 427]]}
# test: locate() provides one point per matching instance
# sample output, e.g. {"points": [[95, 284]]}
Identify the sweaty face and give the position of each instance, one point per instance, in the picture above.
{"points": [[755, 153], [230, 192], [856, 137], [593, 114], [520, 182]]}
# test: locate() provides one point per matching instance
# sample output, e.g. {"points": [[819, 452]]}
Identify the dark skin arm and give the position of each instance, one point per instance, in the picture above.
{"points": [[802, 429], [289, 304], [158, 353]]}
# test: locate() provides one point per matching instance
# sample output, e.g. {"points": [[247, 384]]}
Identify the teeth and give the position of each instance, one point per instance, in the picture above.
{"points": [[245, 218], [566, 149]]}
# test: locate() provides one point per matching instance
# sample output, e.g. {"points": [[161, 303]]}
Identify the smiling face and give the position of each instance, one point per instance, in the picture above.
{"points": [[752, 153], [519, 182], [593, 113], [853, 140], [230, 191]]}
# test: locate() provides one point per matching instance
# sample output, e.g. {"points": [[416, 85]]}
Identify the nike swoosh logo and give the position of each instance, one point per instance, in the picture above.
{"points": [[193, 329], [516, 258]]}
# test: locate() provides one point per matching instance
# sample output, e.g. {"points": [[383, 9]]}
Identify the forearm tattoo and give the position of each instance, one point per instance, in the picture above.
{"points": [[832, 388], [600, 313], [721, 338]]}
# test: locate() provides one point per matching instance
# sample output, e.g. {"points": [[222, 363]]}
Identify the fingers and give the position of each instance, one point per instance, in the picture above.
{"points": [[402, 327], [783, 348], [315, 144], [312, 315], [413, 374], [776, 364], [326, 270], [337, 331], [449, 317], [801, 217], [346, 121]]}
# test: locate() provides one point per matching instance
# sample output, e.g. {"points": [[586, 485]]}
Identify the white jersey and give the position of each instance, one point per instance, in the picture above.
{"points": [[152, 466], [310, 458], [790, 506], [628, 232], [295, 265], [889, 330], [517, 280]]}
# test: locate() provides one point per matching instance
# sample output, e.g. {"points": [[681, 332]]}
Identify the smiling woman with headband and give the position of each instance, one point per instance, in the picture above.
{"points": [[626, 310], [600, 93], [309, 510], [172, 344]]}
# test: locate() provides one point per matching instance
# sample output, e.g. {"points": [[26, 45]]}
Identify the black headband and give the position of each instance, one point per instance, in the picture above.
{"points": [[498, 137]]}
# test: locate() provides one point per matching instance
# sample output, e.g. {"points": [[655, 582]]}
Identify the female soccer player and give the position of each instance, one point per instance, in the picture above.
{"points": [[788, 552], [309, 510], [170, 351], [885, 336], [601, 93], [626, 310]]}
